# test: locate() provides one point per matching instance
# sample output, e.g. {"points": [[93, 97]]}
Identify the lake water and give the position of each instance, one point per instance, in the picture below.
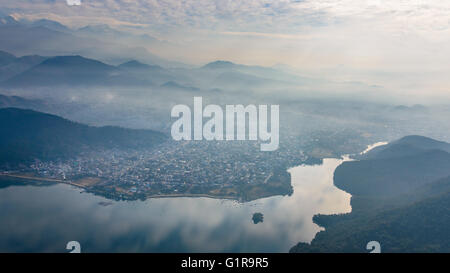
{"points": [[45, 218]]}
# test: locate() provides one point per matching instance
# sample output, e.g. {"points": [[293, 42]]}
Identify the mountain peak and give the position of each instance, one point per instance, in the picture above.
{"points": [[136, 65], [407, 146], [219, 64], [75, 60], [8, 20], [6, 57], [66, 70], [416, 138]]}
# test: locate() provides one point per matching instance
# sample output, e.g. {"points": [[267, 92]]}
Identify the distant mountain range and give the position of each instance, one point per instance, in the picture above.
{"points": [[38, 71], [28, 135], [219, 65], [44, 40], [113, 46], [176, 86], [48, 37], [11, 65], [400, 198], [135, 65], [66, 70], [75, 70]]}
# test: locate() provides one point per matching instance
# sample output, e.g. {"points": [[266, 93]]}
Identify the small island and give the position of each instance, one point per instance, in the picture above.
{"points": [[257, 218]]}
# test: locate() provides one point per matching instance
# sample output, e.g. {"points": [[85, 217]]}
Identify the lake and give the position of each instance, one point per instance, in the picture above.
{"points": [[45, 218]]}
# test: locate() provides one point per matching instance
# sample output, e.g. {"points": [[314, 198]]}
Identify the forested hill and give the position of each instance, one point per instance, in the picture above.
{"points": [[28, 134], [392, 176], [400, 198], [397, 168]]}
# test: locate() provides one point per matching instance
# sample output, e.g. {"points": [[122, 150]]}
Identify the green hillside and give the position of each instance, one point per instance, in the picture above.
{"points": [[401, 200]]}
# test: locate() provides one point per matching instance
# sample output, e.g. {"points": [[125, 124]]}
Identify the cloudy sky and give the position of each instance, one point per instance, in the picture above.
{"points": [[368, 40]]}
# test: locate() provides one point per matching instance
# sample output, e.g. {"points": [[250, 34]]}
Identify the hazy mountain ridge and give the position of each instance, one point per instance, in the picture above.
{"points": [[11, 65], [19, 102], [73, 71], [392, 176], [6, 58], [136, 65]]}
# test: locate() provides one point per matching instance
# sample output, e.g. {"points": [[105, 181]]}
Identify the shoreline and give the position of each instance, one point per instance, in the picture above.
{"points": [[35, 178], [172, 195]]}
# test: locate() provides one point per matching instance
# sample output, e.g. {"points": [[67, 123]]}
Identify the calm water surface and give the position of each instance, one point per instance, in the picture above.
{"points": [[44, 219]]}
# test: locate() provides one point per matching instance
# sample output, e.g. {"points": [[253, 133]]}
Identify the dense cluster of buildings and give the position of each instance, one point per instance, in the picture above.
{"points": [[175, 167]]}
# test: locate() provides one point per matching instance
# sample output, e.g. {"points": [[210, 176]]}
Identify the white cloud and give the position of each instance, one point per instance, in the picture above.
{"points": [[254, 15]]}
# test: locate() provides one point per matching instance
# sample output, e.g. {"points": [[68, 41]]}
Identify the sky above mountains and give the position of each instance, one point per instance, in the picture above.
{"points": [[405, 43]]}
